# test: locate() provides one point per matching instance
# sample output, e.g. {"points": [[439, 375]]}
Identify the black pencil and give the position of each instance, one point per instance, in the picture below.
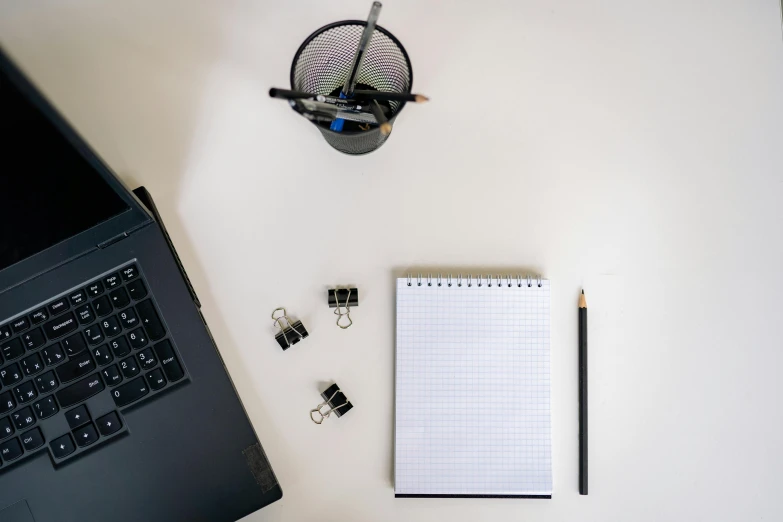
{"points": [[286, 94], [389, 96], [582, 394], [383, 122]]}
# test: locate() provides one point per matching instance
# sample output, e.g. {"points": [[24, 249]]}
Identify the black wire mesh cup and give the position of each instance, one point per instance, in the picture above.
{"points": [[322, 64]]}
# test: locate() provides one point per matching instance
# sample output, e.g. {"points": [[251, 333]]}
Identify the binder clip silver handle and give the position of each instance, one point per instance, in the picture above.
{"points": [[321, 416], [342, 300], [339, 310], [289, 325]]}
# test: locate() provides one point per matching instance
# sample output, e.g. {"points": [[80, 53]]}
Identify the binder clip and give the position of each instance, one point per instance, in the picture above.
{"points": [[337, 402], [290, 332], [349, 297]]}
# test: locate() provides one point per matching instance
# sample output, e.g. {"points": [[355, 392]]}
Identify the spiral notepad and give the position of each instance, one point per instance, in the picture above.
{"points": [[472, 387]]}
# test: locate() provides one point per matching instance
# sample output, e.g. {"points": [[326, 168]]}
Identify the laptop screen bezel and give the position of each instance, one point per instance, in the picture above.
{"points": [[88, 239]]}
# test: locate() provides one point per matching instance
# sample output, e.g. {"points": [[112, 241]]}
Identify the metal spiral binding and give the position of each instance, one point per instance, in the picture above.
{"points": [[491, 281]]}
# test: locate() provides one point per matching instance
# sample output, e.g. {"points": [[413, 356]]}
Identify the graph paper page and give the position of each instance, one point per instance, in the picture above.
{"points": [[472, 389]]}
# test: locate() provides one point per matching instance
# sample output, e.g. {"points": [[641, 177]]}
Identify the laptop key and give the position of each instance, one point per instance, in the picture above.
{"points": [[75, 368], [109, 423], [94, 334], [58, 306], [156, 379], [103, 355], [94, 289], [6, 402], [23, 418], [128, 318], [32, 439], [129, 367], [112, 375], [46, 407], [80, 391], [6, 428], [168, 360], [77, 298], [20, 324], [32, 364], [137, 290], [10, 375], [85, 435], [112, 281], [46, 382], [62, 446], [77, 417], [11, 450], [5, 332], [102, 306], [138, 339], [64, 325], [149, 320], [25, 392], [53, 354], [111, 326], [129, 273], [12, 349], [119, 298], [74, 344], [39, 316], [130, 392], [120, 347], [85, 314], [147, 358], [33, 339]]}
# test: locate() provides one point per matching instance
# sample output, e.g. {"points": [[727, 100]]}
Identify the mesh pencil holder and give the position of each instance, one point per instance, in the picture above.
{"points": [[323, 62]]}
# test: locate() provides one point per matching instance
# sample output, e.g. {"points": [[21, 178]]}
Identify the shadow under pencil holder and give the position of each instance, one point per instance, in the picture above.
{"points": [[323, 62]]}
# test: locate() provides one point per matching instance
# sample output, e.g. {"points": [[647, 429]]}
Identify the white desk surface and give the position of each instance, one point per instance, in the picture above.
{"points": [[630, 147]]}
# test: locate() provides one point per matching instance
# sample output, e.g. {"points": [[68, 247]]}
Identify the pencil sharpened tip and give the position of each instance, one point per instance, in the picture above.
{"points": [[420, 98], [386, 128], [583, 292]]}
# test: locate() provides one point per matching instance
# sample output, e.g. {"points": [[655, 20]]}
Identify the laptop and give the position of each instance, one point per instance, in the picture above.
{"points": [[115, 404]]}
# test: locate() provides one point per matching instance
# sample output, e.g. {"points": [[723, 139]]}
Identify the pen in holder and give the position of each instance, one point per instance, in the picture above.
{"points": [[325, 61]]}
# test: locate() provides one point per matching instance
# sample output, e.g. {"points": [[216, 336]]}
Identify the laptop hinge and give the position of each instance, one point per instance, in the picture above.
{"points": [[119, 237]]}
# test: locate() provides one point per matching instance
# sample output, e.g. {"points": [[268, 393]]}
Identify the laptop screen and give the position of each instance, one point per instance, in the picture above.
{"points": [[48, 191]]}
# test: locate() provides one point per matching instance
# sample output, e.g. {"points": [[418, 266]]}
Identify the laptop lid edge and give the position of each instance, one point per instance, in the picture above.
{"points": [[135, 217]]}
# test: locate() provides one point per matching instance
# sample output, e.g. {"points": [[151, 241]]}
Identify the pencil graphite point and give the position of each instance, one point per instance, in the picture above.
{"points": [[583, 291]]}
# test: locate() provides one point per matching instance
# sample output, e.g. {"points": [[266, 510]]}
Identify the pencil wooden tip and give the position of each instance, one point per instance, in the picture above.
{"points": [[386, 128], [582, 301], [420, 98]]}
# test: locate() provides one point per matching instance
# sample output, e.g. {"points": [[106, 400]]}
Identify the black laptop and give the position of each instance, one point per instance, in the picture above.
{"points": [[115, 404]]}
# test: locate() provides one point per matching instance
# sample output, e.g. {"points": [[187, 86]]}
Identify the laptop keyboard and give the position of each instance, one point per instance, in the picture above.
{"points": [[105, 337]]}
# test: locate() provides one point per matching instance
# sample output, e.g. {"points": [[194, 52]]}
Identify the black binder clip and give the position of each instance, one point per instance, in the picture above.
{"points": [[290, 332], [348, 297], [337, 402]]}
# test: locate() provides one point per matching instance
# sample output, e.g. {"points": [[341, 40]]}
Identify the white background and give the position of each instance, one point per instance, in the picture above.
{"points": [[631, 147]]}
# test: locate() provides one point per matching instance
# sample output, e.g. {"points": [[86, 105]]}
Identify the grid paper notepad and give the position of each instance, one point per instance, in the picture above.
{"points": [[473, 389]]}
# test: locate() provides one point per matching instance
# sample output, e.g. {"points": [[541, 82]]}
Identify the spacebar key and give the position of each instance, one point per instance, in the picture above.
{"points": [[80, 391], [132, 391]]}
